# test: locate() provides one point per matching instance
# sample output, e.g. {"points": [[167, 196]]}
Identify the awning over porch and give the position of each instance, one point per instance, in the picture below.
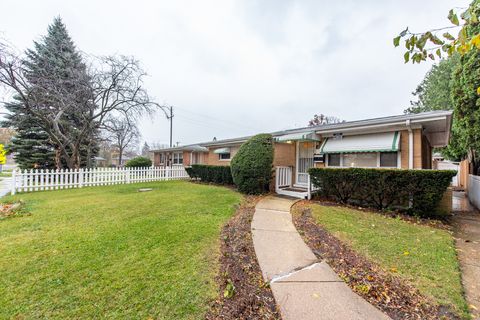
{"points": [[222, 151], [375, 142], [301, 136], [196, 148]]}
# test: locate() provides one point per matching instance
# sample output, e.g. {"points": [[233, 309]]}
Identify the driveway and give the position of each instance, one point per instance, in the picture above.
{"points": [[466, 220], [5, 185]]}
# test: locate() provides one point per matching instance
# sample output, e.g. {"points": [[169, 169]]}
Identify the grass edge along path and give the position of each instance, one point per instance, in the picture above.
{"points": [[400, 249]]}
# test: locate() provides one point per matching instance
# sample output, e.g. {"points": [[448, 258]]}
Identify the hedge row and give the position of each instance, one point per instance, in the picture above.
{"points": [[419, 190], [206, 173]]}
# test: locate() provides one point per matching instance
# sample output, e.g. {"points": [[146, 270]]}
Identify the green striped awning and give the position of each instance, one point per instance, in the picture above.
{"points": [[374, 142], [301, 136], [222, 150]]}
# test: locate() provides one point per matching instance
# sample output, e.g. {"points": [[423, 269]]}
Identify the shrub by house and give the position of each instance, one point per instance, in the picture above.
{"points": [[206, 173], [139, 162], [384, 188], [252, 165]]}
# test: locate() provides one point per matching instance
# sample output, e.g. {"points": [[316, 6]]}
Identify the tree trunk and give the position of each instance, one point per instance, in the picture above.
{"points": [[58, 159], [89, 156], [120, 156]]}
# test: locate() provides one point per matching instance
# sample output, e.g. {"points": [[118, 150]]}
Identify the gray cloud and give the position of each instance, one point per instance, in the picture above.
{"points": [[236, 67]]}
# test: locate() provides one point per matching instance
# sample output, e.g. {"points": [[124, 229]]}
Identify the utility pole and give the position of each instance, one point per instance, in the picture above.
{"points": [[171, 123], [168, 111]]}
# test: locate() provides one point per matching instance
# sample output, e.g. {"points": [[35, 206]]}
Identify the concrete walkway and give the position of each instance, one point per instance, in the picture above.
{"points": [[5, 186], [467, 240], [304, 287]]}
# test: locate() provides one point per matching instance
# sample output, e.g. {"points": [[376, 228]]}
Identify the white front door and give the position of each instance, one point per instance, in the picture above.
{"points": [[305, 150]]}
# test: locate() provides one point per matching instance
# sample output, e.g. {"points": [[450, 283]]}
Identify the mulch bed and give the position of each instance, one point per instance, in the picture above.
{"points": [[385, 291], [8, 210], [251, 297]]}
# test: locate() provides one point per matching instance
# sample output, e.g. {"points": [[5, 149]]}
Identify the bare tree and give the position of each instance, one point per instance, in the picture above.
{"points": [[122, 134], [113, 87], [321, 119], [156, 145]]}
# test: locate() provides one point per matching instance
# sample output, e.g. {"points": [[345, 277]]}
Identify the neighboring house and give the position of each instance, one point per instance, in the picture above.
{"points": [[100, 162], [115, 161], [404, 141]]}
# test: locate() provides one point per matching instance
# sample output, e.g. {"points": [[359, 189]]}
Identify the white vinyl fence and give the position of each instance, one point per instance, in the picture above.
{"points": [[40, 180], [474, 190]]}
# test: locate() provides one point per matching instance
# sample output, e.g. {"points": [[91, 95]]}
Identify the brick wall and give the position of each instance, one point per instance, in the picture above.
{"points": [[186, 158], [445, 205], [417, 148], [213, 159], [284, 154], [156, 159]]}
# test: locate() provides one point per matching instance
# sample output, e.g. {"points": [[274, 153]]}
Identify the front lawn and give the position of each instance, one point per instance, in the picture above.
{"points": [[112, 252], [423, 255]]}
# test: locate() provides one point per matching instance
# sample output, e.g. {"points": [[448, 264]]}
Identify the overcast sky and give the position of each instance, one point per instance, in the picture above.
{"points": [[238, 67]]}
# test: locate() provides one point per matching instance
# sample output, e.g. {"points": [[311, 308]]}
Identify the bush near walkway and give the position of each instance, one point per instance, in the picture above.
{"points": [[252, 165], [384, 188]]}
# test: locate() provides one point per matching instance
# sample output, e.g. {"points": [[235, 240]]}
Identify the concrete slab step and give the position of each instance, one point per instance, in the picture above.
{"points": [[279, 252]]}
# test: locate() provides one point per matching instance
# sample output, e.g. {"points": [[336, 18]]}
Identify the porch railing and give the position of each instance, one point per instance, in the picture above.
{"points": [[283, 177]]}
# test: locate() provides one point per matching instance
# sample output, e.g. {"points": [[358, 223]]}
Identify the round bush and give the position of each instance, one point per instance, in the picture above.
{"points": [[252, 165], [139, 162]]}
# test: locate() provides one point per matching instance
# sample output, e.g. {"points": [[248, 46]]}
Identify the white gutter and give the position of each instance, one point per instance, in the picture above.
{"points": [[410, 144]]}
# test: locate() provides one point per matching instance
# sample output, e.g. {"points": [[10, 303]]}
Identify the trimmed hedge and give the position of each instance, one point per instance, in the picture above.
{"points": [[252, 165], [384, 188], [139, 162], [206, 173]]}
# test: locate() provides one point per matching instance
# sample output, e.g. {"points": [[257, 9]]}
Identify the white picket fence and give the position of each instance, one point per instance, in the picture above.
{"points": [[40, 180]]}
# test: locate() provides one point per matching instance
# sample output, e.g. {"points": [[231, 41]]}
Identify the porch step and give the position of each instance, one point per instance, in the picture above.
{"points": [[296, 189], [300, 193]]}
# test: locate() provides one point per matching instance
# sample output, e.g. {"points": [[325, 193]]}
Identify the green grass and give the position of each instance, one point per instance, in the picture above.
{"points": [[112, 252], [5, 174], [423, 255]]}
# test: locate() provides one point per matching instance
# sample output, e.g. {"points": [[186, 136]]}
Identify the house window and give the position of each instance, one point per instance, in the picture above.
{"points": [[224, 156], [178, 158], [362, 160], [388, 159], [334, 160], [161, 158]]}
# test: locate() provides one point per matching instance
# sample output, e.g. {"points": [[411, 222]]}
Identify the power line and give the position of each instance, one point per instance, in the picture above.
{"points": [[219, 120], [202, 123]]}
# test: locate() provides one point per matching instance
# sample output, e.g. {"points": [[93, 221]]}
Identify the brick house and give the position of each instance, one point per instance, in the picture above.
{"points": [[403, 142]]}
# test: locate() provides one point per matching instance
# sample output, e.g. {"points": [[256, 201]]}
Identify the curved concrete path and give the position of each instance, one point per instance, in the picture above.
{"points": [[304, 287]]}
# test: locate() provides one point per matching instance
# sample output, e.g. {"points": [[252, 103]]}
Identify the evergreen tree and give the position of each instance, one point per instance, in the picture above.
{"points": [[31, 146], [56, 74]]}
